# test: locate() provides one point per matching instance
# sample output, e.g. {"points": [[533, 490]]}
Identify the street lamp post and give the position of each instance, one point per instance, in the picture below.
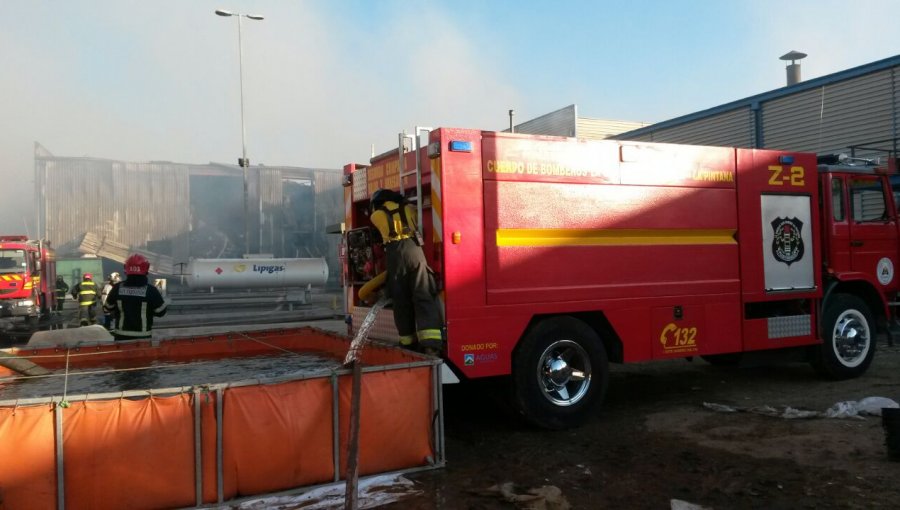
{"points": [[243, 161]]}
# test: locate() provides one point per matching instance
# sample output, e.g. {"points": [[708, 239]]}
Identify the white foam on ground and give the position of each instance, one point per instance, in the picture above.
{"points": [[373, 492]]}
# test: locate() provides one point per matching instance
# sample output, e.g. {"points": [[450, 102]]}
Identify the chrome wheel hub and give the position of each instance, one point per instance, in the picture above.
{"points": [[851, 338], [564, 372]]}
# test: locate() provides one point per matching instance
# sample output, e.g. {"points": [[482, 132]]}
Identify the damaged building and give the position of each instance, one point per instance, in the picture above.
{"points": [[173, 212]]}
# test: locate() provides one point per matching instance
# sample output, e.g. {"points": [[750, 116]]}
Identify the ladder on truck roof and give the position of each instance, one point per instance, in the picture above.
{"points": [[417, 171]]}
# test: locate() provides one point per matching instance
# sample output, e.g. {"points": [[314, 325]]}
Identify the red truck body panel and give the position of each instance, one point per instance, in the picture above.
{"points": [[683, 250]]}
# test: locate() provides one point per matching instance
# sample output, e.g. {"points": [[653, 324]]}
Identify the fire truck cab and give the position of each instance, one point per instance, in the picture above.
{"points": [[27, 278], [556, 256]]}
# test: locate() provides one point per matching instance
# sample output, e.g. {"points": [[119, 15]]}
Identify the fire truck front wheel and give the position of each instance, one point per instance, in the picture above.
{"points": [[848, 338], [560, 373]]}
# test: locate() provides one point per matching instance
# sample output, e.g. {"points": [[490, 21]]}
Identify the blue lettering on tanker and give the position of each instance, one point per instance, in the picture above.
{"points": [[267, 269]]}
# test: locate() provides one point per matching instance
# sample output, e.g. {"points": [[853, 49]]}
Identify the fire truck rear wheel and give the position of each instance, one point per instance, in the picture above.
{"points": [[560, 373], [848, 338]]}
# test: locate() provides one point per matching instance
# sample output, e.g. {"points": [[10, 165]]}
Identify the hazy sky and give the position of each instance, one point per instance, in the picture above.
{"points": [[326, 79]]}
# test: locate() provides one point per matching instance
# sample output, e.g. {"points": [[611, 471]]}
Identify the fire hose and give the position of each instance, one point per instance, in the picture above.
{"points": [[372, 285]]}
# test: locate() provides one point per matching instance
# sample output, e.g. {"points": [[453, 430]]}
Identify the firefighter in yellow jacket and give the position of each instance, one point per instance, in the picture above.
{"points": [[86, 293], [410, 283]]}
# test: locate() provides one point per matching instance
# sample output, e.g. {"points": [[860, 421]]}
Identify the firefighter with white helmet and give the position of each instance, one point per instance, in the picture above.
{"points": [[134, 303], [113, 279], [85, 292]]}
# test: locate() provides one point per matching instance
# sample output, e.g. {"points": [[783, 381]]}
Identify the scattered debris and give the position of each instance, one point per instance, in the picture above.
{"points": [[545, 497], [848, 409], [677, 504], [870, 405], [786, 412], [373, 492]]}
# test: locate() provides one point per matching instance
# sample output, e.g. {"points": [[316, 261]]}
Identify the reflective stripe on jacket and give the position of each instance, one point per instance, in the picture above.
{"points": [[87, 292]]}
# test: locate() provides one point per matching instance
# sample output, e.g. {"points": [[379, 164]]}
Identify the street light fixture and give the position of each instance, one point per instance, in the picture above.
{"points": [[243, 161]]}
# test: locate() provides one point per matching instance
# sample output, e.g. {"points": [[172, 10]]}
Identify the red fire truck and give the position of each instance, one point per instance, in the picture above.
{"points": [[27, 278], [556, 256]]}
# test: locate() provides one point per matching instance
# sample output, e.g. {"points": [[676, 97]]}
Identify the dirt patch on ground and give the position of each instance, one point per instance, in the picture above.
{"points": [[655, 442]]}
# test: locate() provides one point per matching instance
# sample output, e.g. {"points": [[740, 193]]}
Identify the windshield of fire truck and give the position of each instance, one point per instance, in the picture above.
{"points": [[12, 261]]}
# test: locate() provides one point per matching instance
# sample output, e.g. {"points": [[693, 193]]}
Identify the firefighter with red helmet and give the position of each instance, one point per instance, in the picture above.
{"points": [[86, 292], [410, 282], [134, 303]]}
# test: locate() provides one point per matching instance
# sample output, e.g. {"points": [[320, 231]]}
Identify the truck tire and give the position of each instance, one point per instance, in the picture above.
{"points": [[848, 338], [560, 373]]}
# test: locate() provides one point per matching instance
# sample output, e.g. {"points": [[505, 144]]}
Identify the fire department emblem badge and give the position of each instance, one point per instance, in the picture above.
{"points": [[787, 244]]}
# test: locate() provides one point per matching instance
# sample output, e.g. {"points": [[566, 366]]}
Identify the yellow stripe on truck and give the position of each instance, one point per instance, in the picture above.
{"points": [[437, 211], [611, 237]]}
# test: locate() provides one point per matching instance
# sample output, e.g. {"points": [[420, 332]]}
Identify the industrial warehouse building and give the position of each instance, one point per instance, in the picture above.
{"points": [[567, 122], [855, 111], [173, 212]]}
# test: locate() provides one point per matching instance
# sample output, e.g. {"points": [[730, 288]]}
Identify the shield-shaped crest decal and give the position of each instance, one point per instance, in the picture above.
{"points": [[787, 243]]}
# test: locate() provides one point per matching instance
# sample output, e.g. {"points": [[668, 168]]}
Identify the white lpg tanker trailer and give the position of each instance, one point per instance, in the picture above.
{"points": [[256, 273]]}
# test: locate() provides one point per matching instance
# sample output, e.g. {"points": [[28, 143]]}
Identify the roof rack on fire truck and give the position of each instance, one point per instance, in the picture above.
{"points": [[845, 160], [889, 147]]}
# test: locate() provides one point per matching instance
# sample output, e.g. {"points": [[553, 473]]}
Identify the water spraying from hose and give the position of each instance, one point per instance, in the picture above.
{"points": [[362, 335]]}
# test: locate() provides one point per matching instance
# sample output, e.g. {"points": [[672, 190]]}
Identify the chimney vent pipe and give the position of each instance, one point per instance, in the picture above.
{"points": [[793, 69]]}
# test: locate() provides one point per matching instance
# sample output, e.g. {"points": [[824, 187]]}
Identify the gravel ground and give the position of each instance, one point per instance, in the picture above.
{"points": [[654, 442]]}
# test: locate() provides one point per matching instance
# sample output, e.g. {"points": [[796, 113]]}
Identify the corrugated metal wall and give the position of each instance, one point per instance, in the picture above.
{"points": [[151, 202], [565, 122], [831, 117], [149, 206], [600, 129], [733, 129], [327, 209], [896, 108], [272, 197], [558, 123], [330, 211], [859, 106], [131, 203]]}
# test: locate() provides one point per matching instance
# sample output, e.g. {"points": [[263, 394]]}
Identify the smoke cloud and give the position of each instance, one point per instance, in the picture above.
{"points": [[324, 82]]}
